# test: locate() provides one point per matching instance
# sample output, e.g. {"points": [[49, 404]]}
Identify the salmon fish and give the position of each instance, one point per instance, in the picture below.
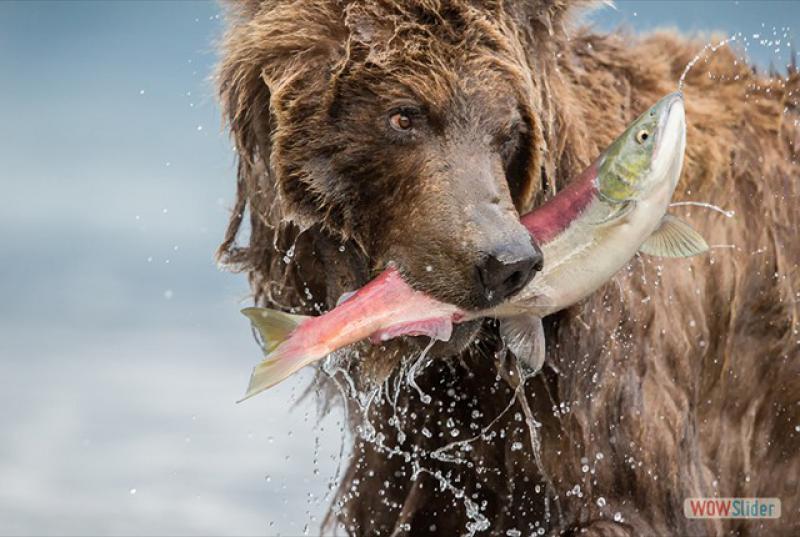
{"points": [[587, 232]]}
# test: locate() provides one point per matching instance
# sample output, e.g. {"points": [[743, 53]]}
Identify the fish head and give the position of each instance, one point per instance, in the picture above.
{"points": [[640, 159]]}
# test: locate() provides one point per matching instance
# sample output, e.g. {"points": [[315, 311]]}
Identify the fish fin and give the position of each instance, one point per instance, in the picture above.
{"points": [[524, 336], [274, 369], [674, 238], [274, 326]]}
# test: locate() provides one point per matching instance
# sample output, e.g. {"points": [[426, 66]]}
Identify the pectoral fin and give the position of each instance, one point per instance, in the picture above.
{"points": [[674, 238], [524, 336]]}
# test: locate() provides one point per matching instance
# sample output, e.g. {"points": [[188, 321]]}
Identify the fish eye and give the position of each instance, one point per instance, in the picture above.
{"points": [[400, 121], [642, 136]]}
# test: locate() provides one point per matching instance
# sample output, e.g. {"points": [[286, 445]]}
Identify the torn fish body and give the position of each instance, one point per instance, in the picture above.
{"points": [[587, 232]]}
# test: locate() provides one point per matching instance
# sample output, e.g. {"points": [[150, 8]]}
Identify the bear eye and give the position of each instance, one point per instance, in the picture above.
{"points": [[400, 121], [642, 136]]}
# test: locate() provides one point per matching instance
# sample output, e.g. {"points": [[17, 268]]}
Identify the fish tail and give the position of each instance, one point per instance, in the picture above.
{"points": [[276, 367], [273, 326], [282, 358]]}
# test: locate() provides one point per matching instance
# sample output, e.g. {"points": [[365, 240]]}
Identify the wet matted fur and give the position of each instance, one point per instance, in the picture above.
{"points": [[680, 378]]}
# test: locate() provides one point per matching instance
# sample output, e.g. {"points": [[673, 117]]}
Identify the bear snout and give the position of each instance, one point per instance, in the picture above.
{"points": [[504, 271]]}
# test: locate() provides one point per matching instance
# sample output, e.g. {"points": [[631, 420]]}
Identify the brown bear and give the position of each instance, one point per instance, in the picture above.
{"points": [[415, 132]]}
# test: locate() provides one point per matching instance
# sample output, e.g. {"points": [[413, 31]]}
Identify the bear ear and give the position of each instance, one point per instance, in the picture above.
{"points": [[268, 44]]}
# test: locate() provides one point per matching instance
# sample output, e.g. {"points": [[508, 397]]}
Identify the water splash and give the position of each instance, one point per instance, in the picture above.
{"points": [[418, 457], [416, 368], [727, 214], [711, 48], [516, 379], [441, 453], [478, 522]]}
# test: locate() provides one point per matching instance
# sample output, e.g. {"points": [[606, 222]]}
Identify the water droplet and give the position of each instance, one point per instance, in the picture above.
{"points": [[617, 517], [133, 492]]}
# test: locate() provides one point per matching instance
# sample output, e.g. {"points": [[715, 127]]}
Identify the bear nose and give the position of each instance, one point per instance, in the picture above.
{"points": [[505, 271]]}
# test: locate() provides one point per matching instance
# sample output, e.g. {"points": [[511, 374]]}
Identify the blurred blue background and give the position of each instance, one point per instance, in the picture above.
{"points": [[122, 349]]}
